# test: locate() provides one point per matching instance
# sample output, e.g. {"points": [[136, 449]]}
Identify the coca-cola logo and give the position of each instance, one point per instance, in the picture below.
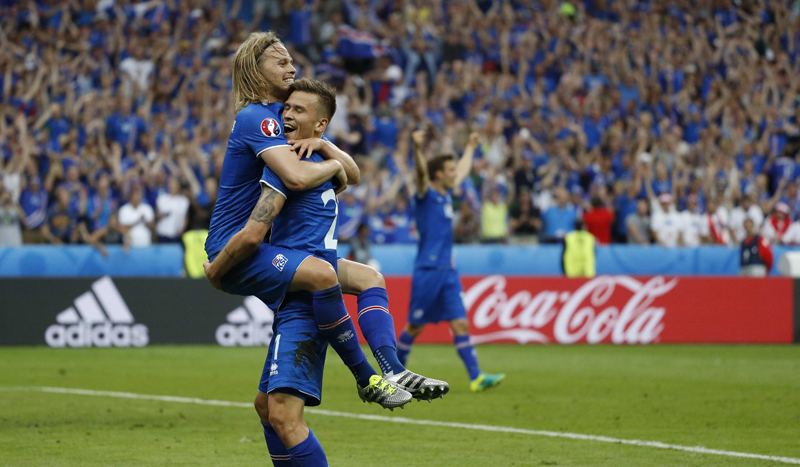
{"points": [[617, 307]]}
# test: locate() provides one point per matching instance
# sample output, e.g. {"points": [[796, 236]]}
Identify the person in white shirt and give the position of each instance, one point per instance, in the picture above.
{"points": [[691, 223], [138, 219], [138, 69], [747, 209], [666, 223], [172, 213]]}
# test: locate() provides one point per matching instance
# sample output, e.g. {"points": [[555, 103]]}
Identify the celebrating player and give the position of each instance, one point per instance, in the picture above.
{"points": [[262, 71], [435, 286], [307, 222], [263, 136]]}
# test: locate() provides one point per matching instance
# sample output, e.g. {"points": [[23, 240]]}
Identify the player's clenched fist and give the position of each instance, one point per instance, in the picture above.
{"points": [[474, 139]]}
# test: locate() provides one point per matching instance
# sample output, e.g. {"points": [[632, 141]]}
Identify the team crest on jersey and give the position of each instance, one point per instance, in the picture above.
{"points": [[279, 262], [270, 127]]}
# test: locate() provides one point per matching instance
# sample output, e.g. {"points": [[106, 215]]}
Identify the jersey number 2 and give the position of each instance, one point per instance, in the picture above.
{"points": [[330, 242]]}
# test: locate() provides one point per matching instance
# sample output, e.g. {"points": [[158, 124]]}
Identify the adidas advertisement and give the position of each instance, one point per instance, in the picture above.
{"points": [[132, 313], [128, 313], [248, 325], [99, 318]]}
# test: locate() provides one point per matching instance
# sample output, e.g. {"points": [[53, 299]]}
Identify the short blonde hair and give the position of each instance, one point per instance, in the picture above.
{"points": [[249, 83]]}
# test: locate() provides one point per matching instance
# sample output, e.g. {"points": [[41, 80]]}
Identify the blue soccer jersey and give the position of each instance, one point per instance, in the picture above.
{"points": [[257, 127], [309, 220], [434, 216], [436, 293]]}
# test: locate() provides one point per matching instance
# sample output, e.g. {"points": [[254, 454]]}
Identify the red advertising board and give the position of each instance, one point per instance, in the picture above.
{"points": [[613, 309]]}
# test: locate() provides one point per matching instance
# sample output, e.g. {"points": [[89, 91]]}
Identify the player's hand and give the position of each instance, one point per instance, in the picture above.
{"points": [[305, 147], [340, 180], [217, 283], [418, 137], [474, 139]]}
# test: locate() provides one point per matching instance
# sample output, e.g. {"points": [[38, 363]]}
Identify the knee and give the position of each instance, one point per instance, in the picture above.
{"points": [[377, 279], [284, 423], [460, 327], [319, 276], [370, 279], [278, 420], [325, 277], [262, 407], [414, 330]]}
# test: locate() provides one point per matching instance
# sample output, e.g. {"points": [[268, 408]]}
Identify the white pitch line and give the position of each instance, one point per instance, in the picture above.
{"points": [[411, 421]]}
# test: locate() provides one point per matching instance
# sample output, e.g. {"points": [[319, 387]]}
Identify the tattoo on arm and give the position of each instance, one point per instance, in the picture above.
{"points": [[229, 254], [266, 209]]}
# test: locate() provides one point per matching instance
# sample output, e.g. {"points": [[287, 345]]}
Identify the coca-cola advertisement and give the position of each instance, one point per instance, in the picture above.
{"points": [[614, 310]]}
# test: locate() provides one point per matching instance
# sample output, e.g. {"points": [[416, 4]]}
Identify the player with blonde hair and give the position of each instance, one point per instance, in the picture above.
{"points": [[243, 264]]}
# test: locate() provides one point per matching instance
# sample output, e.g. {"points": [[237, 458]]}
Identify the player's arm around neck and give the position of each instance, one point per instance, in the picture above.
{"points": [[420, 164], [246, 241], [298, 175], [464, 165]]}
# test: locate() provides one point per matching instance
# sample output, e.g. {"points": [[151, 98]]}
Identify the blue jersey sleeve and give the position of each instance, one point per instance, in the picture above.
{"points": [[262, 130], [269, 178]]}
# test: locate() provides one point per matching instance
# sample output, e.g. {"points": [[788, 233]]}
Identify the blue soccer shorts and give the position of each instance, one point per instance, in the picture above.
{"points": [[296, 358], [436, 295], [267, 274]]}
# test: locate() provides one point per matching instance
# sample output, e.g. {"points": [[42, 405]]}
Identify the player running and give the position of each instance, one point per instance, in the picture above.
{"points": [[436, 293]]}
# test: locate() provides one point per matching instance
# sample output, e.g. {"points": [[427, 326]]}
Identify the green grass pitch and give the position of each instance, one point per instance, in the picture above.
{"points": [[734, 398]]}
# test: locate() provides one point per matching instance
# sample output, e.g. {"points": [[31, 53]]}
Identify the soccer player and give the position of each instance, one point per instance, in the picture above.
{"points": [[292, 376], [435, 287], [308, 222], [262, 70], [272, 66]]}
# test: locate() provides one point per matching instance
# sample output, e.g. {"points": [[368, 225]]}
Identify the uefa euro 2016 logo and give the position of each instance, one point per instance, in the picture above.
{"points": [[270, 127]]}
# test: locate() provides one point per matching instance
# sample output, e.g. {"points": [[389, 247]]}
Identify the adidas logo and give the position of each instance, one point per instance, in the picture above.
{"points": [[100, 318], [249, 325]]}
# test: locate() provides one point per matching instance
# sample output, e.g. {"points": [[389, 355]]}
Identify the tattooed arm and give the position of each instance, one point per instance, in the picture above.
{"points": [[247, 240]]}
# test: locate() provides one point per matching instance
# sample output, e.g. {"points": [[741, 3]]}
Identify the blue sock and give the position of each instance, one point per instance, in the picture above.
{"points": [[404, 346], [335, 324], [309, 453], [377, 326], [468, 355], [277, 450]]}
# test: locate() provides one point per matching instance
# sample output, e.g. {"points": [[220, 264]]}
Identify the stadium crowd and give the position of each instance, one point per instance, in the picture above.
{"points": [[666, 122]]}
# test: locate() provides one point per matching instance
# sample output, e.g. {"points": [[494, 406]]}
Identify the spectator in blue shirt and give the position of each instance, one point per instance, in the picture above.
{"points": [[101, 204], [694, 125], [61, 225], [34, 202], [559, 219]]}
